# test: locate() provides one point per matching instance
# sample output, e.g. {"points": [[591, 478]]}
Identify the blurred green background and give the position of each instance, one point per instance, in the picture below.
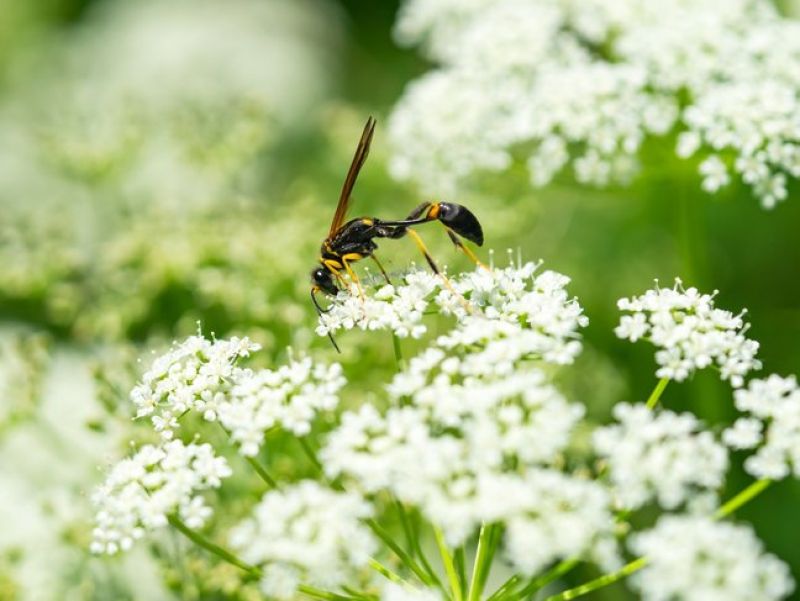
{"points": [[143, 190]]}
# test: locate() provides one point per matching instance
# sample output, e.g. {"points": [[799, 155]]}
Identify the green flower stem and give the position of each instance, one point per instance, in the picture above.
{"points": [[483, 560], [262, 472], [385, 572], [206, 544], [400, 552], [312, 456], [543, 580], [420, 554], [316, 593], [505, 588], [449, 567], [755, 489], [605, 580], [656, 394], [745, 496], [259, 469], [460, 561], [398, 352]]}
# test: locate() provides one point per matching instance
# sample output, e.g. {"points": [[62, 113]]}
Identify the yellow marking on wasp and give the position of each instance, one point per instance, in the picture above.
{"points": [[433, 212], [351, 273], [367, 221]]}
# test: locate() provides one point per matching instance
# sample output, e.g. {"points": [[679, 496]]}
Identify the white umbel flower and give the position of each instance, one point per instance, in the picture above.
{"points": [[141, 492], [305, 534], [290, 397], [584, 83], [557, 516], [472, 409], [699, 559], [690, 332], [663, 456], [527, 314], [774, 407], [194, 376]]}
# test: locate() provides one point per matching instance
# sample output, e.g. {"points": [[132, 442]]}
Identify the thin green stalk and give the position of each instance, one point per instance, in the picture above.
{"points": [[259, 469], [415, 526], [505, 588], [483, 559], [656, 394], [312, 456], [206, 544], [401, 512], [385, 572], [316, 593], [262, 472], [400, 552], [460, 561], [543, 580], [605, 580], [449, 567], [398, 352], [755, 489]]}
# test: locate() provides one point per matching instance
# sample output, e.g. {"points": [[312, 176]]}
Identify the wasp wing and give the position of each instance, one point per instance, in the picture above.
{"points": [[352, 174]]}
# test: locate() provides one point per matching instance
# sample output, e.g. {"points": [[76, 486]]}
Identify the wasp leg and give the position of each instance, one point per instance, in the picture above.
{"points": [[424, 250], [383, 271], [463, 248], [351, 273], [333, 267], [321, 312]]}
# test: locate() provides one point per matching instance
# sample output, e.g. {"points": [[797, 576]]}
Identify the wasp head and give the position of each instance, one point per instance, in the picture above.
{"points": [[323, 279]]}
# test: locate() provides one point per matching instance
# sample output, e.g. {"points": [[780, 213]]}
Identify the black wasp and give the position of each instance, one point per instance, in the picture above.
{"points": [[355, 240]]}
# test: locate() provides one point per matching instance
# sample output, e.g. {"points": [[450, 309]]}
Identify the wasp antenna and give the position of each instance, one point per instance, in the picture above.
{"points": [[321, 312]]}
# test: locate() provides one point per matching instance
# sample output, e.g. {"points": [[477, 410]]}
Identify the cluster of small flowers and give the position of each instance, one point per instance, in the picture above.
{"points": [[774, 406], [690, 332], [474, 430], [194, 376], [202, 375], [698, 559], [587, 81], [289, 396], [520, 312], [397, 308], [660, 455], [142, 491], [305, 534]]}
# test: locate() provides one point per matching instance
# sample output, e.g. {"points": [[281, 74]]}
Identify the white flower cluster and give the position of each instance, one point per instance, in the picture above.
{"points": [[194, 376], [202, 375], [586, 81], [142, 491], [474, 429], [305, 534], [521, 312], [397, 308], [289, 396], [774, 404], [690, 332], [662, 456], [698, 559]]}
